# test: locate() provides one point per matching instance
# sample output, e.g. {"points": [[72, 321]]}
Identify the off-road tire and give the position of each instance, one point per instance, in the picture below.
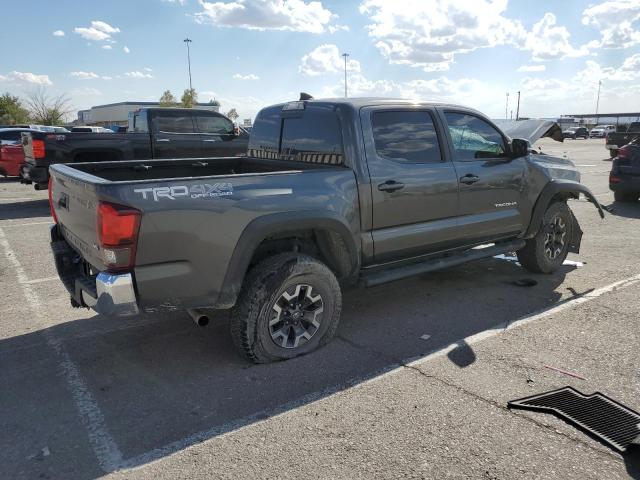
{"points": [[625, 196], [533, 256], [265, 285]]}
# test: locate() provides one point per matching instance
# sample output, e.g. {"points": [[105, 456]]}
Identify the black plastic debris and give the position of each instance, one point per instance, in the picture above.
{"points": [[605, 419], [525, 282]]}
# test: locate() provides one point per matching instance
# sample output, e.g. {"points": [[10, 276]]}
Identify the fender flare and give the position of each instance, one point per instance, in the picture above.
{"points": [[260, 228], [550, 191]]}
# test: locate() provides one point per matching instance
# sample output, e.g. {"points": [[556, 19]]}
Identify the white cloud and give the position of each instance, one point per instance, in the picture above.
{"points": [[84, 75], [292, 15], [106, 47], [27, 77], [617, 21], [181, 2], [147, 69], [80, 75], [87, 91], [532, 68], [58, 33], [125, 49], [250, 76], [98, 31], [325, 59], [548, 41], [138, 74], [428, 34]]}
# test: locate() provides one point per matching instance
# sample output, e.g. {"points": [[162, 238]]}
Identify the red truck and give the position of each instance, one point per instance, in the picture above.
{"points": [[11, 151]]}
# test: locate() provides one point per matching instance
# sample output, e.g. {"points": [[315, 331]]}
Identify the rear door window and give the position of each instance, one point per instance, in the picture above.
{"points": [[13, 135], [174, 123], [314, 137], [407, 136]]}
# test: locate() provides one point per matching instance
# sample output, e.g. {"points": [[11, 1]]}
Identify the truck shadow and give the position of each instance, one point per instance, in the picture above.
{"points": [[24, 209], [625, 209], [161, 384]]}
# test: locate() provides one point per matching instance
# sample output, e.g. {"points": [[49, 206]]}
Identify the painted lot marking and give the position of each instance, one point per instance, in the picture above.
{"points": [[25, 224], [260, 417], [39, 280], [104, 446]]}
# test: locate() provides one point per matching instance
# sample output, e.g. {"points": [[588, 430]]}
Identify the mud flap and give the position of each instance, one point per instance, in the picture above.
{"points": [[576, 235]]}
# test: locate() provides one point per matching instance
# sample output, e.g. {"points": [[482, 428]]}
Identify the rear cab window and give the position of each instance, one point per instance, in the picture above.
{"points": [[312, 135]]}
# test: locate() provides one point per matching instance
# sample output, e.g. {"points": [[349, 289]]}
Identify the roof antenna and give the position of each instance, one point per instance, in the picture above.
{"points": [[305, 96]]}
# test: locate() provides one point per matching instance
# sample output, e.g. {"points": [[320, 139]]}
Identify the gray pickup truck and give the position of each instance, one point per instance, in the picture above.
{"points": [[333, 193]]}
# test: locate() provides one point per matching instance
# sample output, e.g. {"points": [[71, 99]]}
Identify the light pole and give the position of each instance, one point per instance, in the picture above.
{"points": [[345, 55], [188, 41], [506, 108], [598, 100], [518, 109]]}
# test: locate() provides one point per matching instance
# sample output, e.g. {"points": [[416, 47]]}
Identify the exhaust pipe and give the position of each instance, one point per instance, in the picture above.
{"points": [[199, 316]]}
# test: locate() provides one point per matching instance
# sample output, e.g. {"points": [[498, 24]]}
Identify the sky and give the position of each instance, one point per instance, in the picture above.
{"points": [[248, 54]]}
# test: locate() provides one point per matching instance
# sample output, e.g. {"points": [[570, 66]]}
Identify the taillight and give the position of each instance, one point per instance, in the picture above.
{"points": [[624, 152], [53, 212], [118, 234], [37, 146], [614, 179]]}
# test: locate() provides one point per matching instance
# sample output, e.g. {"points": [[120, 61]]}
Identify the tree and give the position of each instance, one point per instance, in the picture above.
{"points": [[11, 110], [189, 98], [232, 114], [167, 99], [48, 110]]}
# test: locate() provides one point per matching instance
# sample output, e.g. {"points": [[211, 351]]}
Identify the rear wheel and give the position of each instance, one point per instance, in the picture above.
{"points": [[290, 305], [546, 252], [625, 196]]}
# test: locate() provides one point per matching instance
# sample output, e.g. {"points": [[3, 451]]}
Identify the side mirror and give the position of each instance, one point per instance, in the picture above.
{"points": [[520, 147]]}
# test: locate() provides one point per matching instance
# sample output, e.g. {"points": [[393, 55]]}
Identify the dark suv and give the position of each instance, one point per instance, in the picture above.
{"points": [[578, 132]]}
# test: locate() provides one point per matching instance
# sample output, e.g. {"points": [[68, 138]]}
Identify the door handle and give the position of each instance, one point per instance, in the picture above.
{"points": [[468, 179], [158, 140], [390, 186]]}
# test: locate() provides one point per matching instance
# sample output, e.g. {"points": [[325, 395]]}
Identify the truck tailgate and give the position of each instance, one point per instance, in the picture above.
{"points": [[75, 204]]}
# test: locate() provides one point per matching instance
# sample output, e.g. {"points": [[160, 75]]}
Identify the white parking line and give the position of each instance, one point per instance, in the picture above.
{"points": [[40, 280], [260, 417], [104, 446], [25, 224]]}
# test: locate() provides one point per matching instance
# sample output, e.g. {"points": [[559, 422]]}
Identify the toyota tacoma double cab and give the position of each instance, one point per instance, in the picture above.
{"points": [[332, 194], [152, 133]]}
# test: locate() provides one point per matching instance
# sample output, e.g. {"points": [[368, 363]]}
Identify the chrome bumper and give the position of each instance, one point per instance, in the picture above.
{"points": [[116, 295]]}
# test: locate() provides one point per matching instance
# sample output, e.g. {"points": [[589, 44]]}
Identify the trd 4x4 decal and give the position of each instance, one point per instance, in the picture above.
{"points": [[202, 190]]}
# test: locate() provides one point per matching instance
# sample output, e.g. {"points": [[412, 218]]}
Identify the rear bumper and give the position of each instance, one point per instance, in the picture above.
{"points": [[626, 184], [33, 174], [112, 295]]}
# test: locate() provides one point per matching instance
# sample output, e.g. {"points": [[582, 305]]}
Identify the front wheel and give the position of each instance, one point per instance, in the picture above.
{"points": [[289, 305], [546, 252]]}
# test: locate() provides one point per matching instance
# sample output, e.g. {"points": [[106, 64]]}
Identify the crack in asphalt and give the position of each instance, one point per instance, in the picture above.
{"points": [[402, 364]]}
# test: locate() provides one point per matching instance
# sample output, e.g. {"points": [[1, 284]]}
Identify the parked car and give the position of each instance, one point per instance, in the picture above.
{"points": [[11, 152], [575, 133], [618, 139], [333, 193], [90, 129], [600, 131], [624, 178], [152, 133]]}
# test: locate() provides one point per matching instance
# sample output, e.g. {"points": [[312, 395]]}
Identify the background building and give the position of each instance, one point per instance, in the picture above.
{"points": [[118, 113]]}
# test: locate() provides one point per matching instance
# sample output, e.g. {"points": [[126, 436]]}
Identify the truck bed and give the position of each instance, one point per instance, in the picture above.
{"points": [[147, 170]]}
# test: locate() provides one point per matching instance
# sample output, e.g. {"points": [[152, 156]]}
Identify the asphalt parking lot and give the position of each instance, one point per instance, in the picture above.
{"points": [[415, 385]]}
